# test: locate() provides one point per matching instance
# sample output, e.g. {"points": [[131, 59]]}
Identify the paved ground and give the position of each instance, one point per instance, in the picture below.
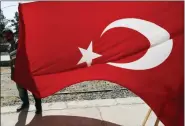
{"points": [[108, 112]]}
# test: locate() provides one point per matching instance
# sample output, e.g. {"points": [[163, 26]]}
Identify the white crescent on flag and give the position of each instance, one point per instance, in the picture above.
{"points": [[160, 43]]}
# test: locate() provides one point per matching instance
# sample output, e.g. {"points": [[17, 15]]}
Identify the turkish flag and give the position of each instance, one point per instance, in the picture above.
{"points": [[138, 45]]}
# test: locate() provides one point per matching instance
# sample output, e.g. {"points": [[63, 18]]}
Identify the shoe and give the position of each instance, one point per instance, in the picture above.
{"points": [[38, 111], [22, 107]]}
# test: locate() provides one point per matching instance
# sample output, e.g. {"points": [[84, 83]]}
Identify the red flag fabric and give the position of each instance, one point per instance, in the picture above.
{"points": [[138, 45]]}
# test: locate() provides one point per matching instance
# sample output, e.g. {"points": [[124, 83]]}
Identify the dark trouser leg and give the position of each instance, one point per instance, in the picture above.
{"points": [[23, 94], [37, 103]]}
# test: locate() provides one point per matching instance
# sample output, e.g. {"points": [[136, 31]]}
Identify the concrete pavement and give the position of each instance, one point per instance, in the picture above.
{"points": [[107, 112]]}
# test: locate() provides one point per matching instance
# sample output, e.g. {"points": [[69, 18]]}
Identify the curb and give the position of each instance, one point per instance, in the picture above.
{"points": [[79, 104]]}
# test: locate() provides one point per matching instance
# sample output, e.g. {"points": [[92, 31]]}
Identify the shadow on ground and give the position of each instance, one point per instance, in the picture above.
{"points": [[57, 120]]}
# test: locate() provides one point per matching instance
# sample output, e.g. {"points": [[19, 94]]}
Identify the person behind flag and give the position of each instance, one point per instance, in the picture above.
{"points": [[8, 35]]}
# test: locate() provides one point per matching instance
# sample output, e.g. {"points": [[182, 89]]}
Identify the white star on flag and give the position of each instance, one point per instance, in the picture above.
{"points": [[88, 55]]}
